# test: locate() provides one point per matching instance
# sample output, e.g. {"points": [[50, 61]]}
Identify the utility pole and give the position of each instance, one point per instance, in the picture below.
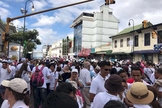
{"points": [[8, 20]]}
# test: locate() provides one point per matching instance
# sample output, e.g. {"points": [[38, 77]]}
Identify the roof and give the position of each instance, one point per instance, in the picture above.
{"points": [[127, 30], [136, 28]]}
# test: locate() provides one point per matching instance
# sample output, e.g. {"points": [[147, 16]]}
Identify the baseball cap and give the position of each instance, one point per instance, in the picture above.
{"points": [[17, 84], [75, 70]]}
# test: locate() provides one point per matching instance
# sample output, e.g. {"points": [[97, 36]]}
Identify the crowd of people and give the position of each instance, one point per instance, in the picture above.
{"points": [[57, 83]]}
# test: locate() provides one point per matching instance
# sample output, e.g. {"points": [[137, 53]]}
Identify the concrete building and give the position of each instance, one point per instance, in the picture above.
{"points": [[138, 44], [56, 49], [94, 29], [12, 29]]}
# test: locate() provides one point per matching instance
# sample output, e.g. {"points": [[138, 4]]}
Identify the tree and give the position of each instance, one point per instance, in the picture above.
{"points": [[28, 39]]}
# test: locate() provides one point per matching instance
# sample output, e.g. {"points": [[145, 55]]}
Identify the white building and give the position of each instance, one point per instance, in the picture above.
{"points": [[94, 29], [56, 49]]}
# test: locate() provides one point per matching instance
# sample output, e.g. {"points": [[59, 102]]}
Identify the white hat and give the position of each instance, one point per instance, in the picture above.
{"points": [[4, 61], [75, 70], [23, 59], [17, 84]]}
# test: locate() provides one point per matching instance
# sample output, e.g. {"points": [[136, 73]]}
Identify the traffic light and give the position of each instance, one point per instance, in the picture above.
{"points": [[107, 2], [24, 43], [7, 36], [154, 35], [144, 23]]}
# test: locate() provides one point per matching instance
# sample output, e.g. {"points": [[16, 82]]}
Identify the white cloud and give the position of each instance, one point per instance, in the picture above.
{"points": [[47, 36], [39, 5], [4, 4], [44, 20], [19, 0], [4, 13], [18, 23]]}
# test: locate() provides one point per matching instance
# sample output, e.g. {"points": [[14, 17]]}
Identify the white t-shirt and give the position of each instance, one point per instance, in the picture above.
{"points": [[19, 66], [4, 74], [141, 106], [149, 71], [97, 85], [85, 76], [160, 99], [102, 98], [26, 77], [5, 104], [53, 77], [20, 104], [45, 72]]}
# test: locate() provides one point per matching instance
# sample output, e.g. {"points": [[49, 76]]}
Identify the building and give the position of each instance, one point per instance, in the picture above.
{"points": [[138, 44], [94, 29], [12, 29], [122, 43], [67, 47], [56, 49]]}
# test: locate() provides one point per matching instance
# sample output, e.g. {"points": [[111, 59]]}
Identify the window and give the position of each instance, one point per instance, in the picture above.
{"points": [[121, 42], [147, 39], [128, 42], [115, 44], [59, 51], [136, 40], [159, 36]]}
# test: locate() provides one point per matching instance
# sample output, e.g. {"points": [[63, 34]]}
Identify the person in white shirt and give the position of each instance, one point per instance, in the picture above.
{"points": [[53, 77], [97, 84], [16, 90], [23, 60], [139, 95], [86, 80], [158, 84], [40, 93], [5, 72], [113, 86]]}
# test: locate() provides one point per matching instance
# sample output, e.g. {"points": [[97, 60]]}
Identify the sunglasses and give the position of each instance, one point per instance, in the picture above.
{"points": [[107, 69]]}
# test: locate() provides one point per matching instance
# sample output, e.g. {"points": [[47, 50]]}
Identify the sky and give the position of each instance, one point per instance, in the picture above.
{"points": [[55, 25]]}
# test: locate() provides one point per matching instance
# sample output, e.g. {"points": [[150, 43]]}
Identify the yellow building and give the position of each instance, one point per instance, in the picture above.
{"points": [[138, 44]]}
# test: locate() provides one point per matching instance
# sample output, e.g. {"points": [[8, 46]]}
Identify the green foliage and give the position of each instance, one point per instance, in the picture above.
{"points": [[29, 39]]}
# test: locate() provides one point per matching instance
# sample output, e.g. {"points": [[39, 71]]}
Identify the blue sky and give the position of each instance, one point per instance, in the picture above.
{"points": [[55, 25]]}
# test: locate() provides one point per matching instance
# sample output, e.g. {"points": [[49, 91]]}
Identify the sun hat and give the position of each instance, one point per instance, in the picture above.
{"points": [[17, 84], [114, 84], [139, 94], [75, 70], [74, 84]]}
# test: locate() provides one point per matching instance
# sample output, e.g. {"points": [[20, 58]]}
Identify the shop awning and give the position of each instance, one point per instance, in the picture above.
{"points": [[146, 51]]}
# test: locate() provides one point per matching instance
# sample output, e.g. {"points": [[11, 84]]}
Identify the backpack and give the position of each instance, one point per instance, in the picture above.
{"points": [[37, 78]]}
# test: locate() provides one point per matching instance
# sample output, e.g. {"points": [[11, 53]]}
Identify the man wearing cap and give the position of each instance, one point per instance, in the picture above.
{"points": [[5, 72], [97, 84], [113, 86]]}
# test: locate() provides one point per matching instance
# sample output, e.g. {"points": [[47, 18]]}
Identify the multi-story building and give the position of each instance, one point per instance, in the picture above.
{"points": [[56, 49], [138, 44], [94, 29], [67, 46], [12, 29]]}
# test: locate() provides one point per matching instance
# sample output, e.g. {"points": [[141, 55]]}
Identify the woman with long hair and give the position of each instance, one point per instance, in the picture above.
{"points": [[24, 74]]}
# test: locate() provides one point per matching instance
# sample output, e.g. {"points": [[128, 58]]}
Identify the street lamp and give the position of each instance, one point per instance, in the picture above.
{"points": [[24, 11], [132, 36]]}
